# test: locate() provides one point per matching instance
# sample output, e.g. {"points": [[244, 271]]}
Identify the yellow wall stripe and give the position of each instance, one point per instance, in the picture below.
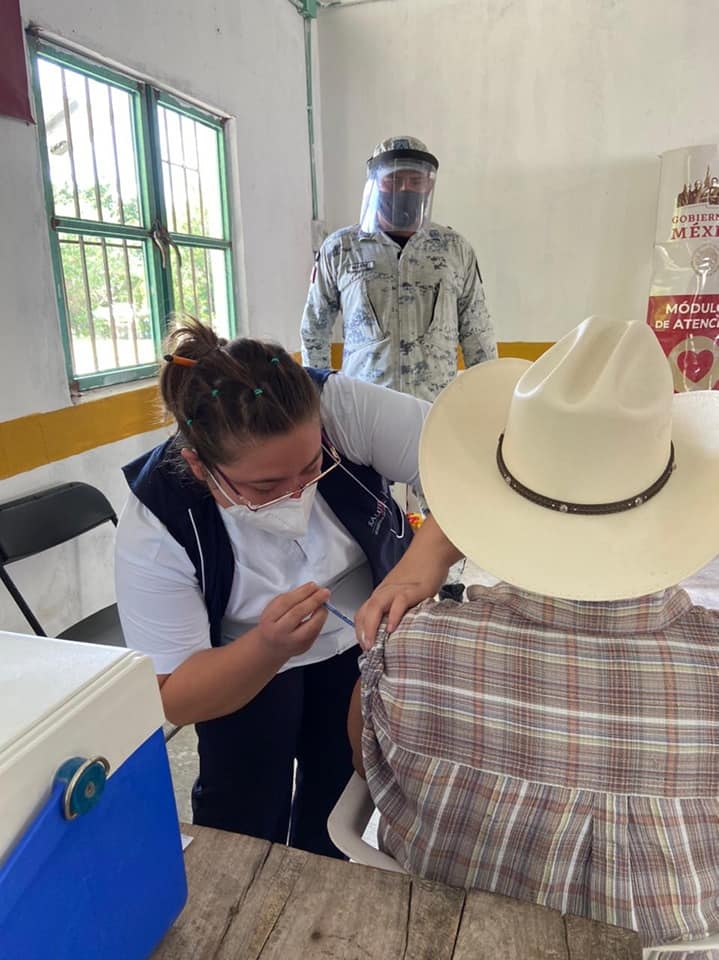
{"points": [[41, 438], [515, 348], [524, 351]]}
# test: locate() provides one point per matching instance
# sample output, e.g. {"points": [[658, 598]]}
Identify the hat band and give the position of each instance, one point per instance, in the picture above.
{"points": [[590, 509]]}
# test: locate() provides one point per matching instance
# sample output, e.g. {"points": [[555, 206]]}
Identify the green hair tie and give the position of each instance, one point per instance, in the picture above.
{"points": [[215, 392], [274, 359], [258, 391], [189, 421]]}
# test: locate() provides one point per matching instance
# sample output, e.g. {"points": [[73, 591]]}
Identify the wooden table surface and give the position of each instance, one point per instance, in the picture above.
{"points": [[251, 899]]}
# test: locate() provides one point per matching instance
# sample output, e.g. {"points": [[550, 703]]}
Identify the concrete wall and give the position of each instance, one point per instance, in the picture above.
{"points": [[246, 59], [547, 117]]}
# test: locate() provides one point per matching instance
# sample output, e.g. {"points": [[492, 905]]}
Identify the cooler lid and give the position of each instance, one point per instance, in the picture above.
{"points": [[60, 699], [39, 676]]}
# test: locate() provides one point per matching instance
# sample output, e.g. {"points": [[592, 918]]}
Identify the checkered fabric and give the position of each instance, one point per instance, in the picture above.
{"points": [[557, 751]]}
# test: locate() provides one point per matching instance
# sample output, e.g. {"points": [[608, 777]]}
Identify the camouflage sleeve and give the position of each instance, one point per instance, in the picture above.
{"points": [[320, 313], [476, 332]]}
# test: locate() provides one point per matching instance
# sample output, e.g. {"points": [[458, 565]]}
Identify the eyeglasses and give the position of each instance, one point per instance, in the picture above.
{"points": [[384, 509], [285, 496]]}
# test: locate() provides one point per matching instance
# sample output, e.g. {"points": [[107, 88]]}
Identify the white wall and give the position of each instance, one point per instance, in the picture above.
{"points": [[547, 117], [246, 59]]}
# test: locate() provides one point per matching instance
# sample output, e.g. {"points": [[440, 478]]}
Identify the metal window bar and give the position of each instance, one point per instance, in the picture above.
{"points": [[203, 228], [88, 303], [70, 144], [184, 167], [193, 274], [206, 276], [131, 301], [118, 182], [110, 299], [210, 289], [197, 285], [93, 153], [66, 300], [168, 165], [180, 286]]}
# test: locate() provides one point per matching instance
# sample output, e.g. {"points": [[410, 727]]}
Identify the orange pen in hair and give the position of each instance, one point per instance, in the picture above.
{"points": [[180, 361]]}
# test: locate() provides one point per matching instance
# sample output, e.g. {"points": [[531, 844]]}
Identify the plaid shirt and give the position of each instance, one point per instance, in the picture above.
{"points": [[557, 751]]}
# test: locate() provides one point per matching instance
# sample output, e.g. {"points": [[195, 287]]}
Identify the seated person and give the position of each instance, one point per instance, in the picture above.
{"points": [[556, 738]]}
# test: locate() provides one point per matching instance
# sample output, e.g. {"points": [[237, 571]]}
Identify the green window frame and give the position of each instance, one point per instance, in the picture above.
{"points": [[133, 238]]}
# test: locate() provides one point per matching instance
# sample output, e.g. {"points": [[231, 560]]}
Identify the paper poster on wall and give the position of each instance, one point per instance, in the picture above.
{"points": [[684, 296], [14, 97]]}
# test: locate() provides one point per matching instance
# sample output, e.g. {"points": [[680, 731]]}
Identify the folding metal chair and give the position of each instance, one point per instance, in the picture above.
{"points": [[32, 524]]}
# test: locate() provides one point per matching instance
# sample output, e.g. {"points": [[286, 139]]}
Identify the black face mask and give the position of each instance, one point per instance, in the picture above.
{"points": [[401, 209]]}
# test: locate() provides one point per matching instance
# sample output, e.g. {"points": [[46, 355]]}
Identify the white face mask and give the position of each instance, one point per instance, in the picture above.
{"points": [[289, 518]]}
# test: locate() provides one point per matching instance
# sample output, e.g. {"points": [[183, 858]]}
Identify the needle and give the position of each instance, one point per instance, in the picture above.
{"points": [[341, 616]]}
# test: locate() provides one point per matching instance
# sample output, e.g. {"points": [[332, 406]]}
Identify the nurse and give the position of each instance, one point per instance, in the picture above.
{"points": [[268, 508]]}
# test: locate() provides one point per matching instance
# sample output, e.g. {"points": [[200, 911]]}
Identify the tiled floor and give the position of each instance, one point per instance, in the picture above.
{"points": [[182, 751]]}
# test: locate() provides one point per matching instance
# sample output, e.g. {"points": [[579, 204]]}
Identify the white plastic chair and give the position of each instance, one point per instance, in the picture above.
{"points": [[693, 946], [348, 821]]}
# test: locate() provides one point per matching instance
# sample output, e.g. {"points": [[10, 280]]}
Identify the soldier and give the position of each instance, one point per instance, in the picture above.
{"points": [[410, 290]]}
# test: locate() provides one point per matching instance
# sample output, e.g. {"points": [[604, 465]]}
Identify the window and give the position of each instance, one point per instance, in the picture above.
{"points": [[136, 194]]}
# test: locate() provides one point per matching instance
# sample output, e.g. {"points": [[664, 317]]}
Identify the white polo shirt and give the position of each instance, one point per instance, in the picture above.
{"points": [[162, 608]]}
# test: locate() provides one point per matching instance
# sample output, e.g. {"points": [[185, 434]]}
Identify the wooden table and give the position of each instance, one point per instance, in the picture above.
{"points": [[250, 899]]}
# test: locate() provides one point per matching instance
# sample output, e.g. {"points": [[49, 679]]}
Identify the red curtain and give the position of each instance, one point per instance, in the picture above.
{"points": [[14, 97]]}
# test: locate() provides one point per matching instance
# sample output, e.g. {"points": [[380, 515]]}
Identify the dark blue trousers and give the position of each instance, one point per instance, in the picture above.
{"points": [[247, 758]]}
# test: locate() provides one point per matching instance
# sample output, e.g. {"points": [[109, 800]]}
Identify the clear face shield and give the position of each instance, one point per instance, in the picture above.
{"points": [[398, 194]]}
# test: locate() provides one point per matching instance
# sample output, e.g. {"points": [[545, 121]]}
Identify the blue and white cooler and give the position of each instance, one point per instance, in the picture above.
{"points": [[91, 861]]}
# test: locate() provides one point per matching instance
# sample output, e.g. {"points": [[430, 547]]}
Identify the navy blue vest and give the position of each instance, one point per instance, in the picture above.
{"points": [[191, 515]]}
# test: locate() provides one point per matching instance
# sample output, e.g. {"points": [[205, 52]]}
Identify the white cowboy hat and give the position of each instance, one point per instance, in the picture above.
{"points": [[591, 423]]}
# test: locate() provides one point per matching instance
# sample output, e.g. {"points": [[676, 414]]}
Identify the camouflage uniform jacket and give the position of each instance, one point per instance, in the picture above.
{"points": [[404, 312]]}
